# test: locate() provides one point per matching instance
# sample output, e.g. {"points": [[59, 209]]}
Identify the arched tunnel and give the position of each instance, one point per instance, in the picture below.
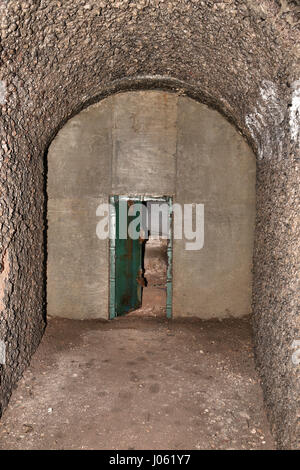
{"points": [[189, 100]]}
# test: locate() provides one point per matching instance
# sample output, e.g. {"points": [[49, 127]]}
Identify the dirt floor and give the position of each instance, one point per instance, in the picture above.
{"points": [[139, 383], [154, 296]]}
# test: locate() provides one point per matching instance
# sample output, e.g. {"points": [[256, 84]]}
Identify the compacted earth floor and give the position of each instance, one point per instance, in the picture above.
{"points": [[154, 297], [139, 383]]}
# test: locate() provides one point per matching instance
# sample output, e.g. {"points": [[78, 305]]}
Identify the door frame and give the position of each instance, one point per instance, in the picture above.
{"points": [[112, 249]]}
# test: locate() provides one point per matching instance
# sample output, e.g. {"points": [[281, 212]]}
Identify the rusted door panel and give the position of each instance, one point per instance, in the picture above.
{"points": [[128, 260]]}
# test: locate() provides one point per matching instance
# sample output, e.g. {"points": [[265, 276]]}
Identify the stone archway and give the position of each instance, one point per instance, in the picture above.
{"points": [[239, 58]]}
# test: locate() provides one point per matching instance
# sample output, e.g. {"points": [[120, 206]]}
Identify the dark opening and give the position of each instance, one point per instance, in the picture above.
{"points": [[154, 264]]}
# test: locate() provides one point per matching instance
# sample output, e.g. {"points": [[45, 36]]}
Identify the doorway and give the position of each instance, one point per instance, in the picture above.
{"points": [[140, 254]]}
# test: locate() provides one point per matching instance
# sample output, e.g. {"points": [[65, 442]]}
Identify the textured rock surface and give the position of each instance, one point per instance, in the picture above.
{"points": [[239, 56]]}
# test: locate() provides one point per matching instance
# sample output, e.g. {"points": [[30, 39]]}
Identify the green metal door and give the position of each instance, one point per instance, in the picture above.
{"points": [[128, 266], [126, 257]]}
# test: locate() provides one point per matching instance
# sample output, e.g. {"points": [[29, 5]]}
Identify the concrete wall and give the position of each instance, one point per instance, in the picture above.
{"points": [[79, 162], [215, 167], [153, 143], [125, 144], [144, 143]]}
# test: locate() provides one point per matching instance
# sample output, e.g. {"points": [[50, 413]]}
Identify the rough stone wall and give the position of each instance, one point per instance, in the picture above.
{"points": [[239, 56]]}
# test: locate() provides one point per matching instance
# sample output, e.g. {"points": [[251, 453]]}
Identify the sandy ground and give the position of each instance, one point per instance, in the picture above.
{"points": [[155, 294], [139, 383]]}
